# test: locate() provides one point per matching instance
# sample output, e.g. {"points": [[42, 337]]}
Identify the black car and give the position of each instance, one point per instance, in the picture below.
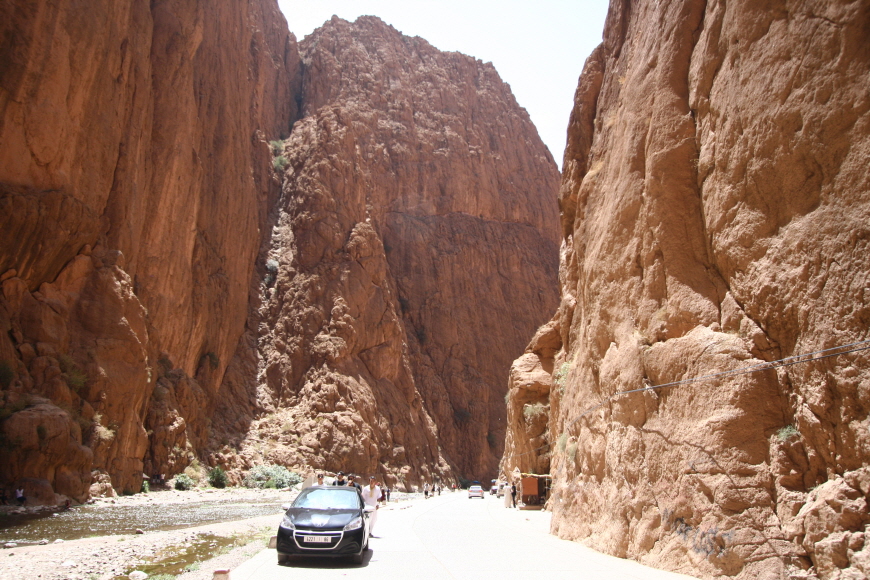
{"points": [[325, 520]]}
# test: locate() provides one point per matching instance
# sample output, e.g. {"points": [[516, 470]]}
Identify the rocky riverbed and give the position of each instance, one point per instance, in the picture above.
{"points": [[170, 551]]}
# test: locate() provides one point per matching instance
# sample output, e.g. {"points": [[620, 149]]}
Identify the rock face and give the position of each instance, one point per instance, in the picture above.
{"points": [[134, 181], [166, 294], [714, 216], [411, 255]]}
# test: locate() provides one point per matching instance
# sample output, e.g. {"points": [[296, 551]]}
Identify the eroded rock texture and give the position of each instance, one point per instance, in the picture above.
{"points": [[715, 204], [412, 254], [134, 180]]}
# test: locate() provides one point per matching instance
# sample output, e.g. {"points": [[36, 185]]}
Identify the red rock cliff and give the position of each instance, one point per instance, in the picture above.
{"points": [[413, 252], [134, 180], [715, 204]]}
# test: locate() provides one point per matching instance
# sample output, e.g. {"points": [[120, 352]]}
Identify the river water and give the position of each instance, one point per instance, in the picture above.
{"points": [[107, 519]]}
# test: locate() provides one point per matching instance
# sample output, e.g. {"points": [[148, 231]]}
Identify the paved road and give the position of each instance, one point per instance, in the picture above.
{"points": [[453, 537]]}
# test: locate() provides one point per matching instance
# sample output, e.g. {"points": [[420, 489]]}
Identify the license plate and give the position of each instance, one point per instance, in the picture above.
{"points": [[317, 539]]}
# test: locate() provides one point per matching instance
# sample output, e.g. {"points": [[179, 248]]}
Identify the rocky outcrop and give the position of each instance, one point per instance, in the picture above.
{"points": [[715, 216], [412, 253], [134, 182], [531, 378]]}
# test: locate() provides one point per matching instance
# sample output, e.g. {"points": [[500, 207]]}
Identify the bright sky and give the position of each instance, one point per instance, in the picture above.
{"points": [[538, 47]]}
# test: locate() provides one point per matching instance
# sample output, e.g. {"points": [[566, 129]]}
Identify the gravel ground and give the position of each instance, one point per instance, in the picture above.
{"points": [[106, 557]]}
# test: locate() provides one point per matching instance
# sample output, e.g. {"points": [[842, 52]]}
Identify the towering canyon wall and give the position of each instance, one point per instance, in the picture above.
{"points": [[715, 204], [412, 254], [172, 290], [134, 180]]}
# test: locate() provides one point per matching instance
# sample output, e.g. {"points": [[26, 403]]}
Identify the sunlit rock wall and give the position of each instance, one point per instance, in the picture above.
{"points": [[715, 204]]}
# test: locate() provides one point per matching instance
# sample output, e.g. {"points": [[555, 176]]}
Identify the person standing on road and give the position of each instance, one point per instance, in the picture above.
{"points": [[388, 494], [425, 491], [514, 494], [339, 479], [351, 482], [371, 494], [319, 479], [19, 496]]}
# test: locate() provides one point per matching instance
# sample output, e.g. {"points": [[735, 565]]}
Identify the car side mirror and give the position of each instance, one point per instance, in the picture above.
{"points": [[285, 506]]}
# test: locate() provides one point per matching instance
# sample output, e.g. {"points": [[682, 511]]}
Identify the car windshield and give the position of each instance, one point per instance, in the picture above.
{"points": [[328, 498]]}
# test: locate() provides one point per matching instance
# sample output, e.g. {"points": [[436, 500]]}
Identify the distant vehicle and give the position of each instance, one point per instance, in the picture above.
{"points": [[325, 521], [501, 486], [475, 491], [494, 489]]}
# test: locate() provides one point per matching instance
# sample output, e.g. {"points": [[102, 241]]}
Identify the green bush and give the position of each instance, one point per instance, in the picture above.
{"points": [[271, 476], [211, 358], [183, 482], [276, 147], [787, 433], [7, 374], [217, 477], [75, 377], [534, 410], [146, 487], [561, 376], [279, 163], [571, 450], [562, 441]]}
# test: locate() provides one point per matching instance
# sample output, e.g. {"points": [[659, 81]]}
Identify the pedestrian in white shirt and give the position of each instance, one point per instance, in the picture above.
{"points": [[371, 494]]}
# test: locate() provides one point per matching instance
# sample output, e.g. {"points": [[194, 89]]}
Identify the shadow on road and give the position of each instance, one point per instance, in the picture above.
{"points": [[326, 562]]}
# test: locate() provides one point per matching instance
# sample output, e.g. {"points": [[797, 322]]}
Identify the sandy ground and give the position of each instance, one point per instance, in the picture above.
{"points": [[105, 557]]}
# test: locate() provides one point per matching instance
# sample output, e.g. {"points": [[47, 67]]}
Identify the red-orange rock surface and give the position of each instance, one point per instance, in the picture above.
{"points": [[413, 252], [386, 287], [715, 208], [134, 180]]}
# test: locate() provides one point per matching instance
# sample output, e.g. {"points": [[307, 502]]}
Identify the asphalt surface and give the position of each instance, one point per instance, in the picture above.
{"points": [[453, 537]]}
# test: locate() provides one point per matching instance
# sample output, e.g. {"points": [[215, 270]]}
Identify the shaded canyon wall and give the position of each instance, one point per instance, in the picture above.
{"points": [[714, 203], [174, 287], [413, 251], [134, 180]]}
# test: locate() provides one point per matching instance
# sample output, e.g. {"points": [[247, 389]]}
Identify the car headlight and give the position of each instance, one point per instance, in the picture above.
{"points": [[354, 524], [287, 523]]}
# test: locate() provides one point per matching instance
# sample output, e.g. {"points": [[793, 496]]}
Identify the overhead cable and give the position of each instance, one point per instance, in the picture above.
{"points": [[759, 367]]}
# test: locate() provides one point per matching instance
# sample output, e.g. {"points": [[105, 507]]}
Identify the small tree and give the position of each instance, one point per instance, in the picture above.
{"points": [[217, 477]]}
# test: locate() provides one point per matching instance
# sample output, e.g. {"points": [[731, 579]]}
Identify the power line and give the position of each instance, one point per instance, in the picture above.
{"points": [[764, 366]]}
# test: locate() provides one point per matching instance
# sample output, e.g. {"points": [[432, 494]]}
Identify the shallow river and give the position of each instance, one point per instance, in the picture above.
{"points": [[101, 520]]}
